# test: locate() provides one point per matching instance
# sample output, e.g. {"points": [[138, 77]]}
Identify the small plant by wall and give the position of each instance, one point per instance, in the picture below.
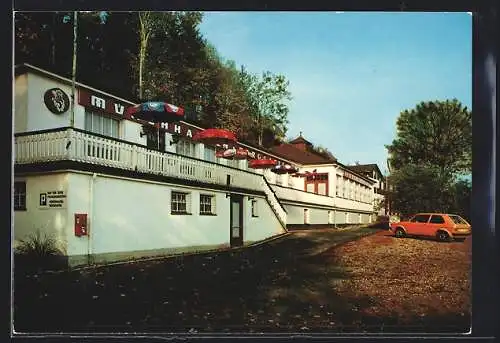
{"points": [[37, 251]]}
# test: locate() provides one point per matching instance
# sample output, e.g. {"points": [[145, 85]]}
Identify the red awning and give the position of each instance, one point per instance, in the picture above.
{"points": [[284, 169], [233, 154], [215, 136], [262, 163]]}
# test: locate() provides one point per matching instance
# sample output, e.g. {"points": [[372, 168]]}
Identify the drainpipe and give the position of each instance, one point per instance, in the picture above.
{"points": [[335, 219], [91, 218], [73, 69]]}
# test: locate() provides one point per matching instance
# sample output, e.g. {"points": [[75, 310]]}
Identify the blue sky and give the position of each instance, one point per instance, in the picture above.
{"points": [[351, 73]]}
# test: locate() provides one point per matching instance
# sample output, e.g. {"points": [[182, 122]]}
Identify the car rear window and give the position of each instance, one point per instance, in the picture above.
{"points": [[457, 219]]}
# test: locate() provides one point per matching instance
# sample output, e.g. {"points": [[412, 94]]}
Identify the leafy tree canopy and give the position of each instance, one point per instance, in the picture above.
{"points": [[434, 133]]}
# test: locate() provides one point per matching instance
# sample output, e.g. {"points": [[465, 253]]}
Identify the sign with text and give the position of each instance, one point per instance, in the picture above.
{"points": [[355, 178], [52, 200], [101, 103]]}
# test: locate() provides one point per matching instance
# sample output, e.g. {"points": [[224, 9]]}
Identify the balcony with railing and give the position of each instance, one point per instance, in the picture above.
{"points": [[70, 144]]}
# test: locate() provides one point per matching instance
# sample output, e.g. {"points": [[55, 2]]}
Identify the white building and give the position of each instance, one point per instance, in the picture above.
{"points": [[380, 188], [106, 192]]}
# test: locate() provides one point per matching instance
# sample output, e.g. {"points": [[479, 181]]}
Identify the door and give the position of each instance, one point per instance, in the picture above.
{"points": [[236, 220], [155, 138], [418, 224], [435, 223]]}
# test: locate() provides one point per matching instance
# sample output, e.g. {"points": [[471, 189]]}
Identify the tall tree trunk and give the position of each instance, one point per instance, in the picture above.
{"points": [[144, 37], [53, 41]]}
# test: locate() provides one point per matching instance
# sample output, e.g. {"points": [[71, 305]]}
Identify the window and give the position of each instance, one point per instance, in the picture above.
{"points": [[437, 220], [180, 203], [338, 186], [207, 204], [155, 138], [255, 212], [101, 124], [209, 154], [233, 163], [457, 219], [185, 148], [310, 187], [420, 218], [20, 196]]}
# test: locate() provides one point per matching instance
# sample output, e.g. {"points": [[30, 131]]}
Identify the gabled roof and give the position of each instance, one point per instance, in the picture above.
{"points": [[300, 140], [297, 155], [365, 168]]}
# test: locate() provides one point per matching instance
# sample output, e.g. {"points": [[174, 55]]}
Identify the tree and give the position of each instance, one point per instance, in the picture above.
{"points": [[435, 133], [421, 188], [268, 96], [147, 22], [462, 191]]}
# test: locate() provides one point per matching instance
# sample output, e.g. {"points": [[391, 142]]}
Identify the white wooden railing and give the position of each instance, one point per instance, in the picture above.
{"points": [[74, 145], [290, 194], [277, 207]]}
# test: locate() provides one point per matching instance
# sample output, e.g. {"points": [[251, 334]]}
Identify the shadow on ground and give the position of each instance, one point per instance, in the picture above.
{"points": [[282, 286]]}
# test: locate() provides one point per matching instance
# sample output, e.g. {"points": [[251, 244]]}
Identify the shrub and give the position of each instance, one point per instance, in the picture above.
{"points": [[38, 245]]}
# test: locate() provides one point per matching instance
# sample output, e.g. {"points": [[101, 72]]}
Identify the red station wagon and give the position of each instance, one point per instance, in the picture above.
{"points": [[444, 227]]}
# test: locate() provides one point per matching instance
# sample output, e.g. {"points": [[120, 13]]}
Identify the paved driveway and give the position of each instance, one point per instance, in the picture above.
{"points": [[289, 284]]}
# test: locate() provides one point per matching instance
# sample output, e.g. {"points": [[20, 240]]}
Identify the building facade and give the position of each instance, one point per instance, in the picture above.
{"points": [[380, 188], [108, 188]]}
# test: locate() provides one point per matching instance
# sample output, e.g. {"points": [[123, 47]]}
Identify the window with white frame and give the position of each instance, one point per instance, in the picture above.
{"points": [[180, 203], [186, 148], [233, 163], [19, 196], [207, 204], [255, 209], [101, 124], [209, 154]]}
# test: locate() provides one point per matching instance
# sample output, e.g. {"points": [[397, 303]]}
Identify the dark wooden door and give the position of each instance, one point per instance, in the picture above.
{"points": [[155, 137], [236, 220]]}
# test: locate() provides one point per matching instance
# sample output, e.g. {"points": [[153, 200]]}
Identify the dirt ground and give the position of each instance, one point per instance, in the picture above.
{"points": [[325, 281], [409, 277]]}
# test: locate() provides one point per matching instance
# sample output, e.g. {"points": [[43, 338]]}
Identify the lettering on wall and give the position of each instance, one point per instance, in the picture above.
{"points": [[355, 178], [110, 105], [52, 200], [101, 103]]}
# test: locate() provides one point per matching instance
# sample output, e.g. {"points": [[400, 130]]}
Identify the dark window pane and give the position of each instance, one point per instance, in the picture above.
{"points": [[437, 220]]}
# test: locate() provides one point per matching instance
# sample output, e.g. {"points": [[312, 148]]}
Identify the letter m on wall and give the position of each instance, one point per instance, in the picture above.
{"points": [[97, 102]]}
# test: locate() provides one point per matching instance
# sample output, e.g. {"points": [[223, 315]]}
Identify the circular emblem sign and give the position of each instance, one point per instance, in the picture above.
{"points": [[56, 100]]}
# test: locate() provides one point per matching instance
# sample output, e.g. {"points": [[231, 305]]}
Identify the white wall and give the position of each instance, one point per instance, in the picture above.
{"points": [[38, 115], [20, 103], [353, 205], [130, 215], [49, 221], [264, 226], [131, 132], [295, 215]]}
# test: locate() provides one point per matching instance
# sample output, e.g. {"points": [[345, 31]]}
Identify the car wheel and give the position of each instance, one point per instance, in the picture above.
{"points": [[400, 233], [443, 236]]}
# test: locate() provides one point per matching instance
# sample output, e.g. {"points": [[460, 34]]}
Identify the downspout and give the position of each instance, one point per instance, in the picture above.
{"points": [[90, 219]]}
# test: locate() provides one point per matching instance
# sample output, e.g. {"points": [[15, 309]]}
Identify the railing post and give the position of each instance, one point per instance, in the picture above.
{"points": [[69, 144], [134, 157]]}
